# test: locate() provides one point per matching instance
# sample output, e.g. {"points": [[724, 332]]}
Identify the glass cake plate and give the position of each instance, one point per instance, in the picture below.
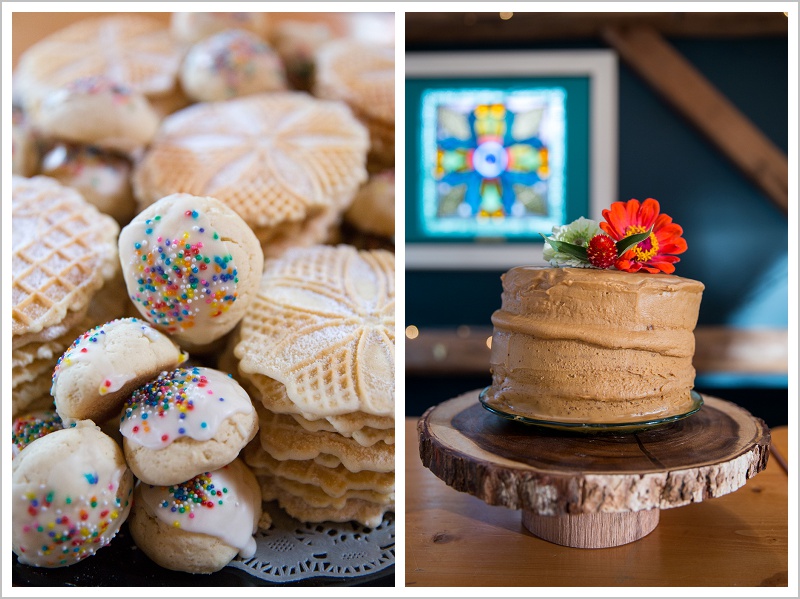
{"points": [[592, 427]]}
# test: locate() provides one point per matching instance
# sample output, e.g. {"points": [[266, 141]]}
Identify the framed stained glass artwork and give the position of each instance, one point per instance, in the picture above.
{"points": [[500, 148]]}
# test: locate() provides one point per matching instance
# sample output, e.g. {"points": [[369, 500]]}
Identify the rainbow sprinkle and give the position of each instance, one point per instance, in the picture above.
{"points": [[65, 530], [167, 392], [33, 426], [178, 275], [198, 492]]}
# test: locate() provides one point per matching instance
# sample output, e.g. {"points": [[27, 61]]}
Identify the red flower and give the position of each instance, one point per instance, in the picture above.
{"points": [[654, 254]]}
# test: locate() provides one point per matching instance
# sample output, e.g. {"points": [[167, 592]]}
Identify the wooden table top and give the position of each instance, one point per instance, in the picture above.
{"points": [[454, 539]]}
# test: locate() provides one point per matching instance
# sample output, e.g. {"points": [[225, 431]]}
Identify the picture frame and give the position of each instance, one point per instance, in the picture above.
{"points": [[588, 79]]}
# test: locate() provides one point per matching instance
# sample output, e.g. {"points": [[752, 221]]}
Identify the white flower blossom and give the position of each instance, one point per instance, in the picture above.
{"points": [[578, 232]]}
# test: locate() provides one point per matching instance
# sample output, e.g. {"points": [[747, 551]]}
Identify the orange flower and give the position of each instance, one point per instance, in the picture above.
{"points": [[654, 254]]}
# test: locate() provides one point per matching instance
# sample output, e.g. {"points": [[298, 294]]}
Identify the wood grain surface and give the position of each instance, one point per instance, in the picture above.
{"points": [[454, 539], [554, 473]]}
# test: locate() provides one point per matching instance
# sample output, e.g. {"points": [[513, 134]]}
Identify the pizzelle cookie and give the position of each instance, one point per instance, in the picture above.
{"points": [[368, 513], [63, 250], [133, 50], [284, 439], [322, 324], [335, 481], [287, 163], [366, 429], [191, 266], [361, 73]]}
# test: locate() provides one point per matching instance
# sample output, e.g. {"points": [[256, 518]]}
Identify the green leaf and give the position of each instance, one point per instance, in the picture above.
{"points": [[576, 251], [628, 242]]}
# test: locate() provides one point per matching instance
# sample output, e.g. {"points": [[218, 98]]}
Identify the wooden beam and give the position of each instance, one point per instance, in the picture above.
{"points": [[444, 352], [693, 96], [436, 28]]}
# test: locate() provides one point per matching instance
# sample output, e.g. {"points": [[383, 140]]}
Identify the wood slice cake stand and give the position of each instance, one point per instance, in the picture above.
{"points": [[592, 490]]}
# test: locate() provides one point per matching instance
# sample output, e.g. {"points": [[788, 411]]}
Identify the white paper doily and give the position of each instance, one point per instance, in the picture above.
{"points": [[292, 550]]}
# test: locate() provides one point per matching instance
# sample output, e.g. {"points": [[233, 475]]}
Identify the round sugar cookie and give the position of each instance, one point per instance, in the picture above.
{"points": [[229, 64], [200, 525], [136, 51], [71, 492], [31, 426], [191, 266], [191, 27], [322, 324], [186, 422], [372, 210], [287, 163], [99, 111], [102, 178], [105, 364], [63, 250]]}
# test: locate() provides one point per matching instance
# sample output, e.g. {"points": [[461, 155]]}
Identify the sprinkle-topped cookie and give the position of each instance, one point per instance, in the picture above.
{"points": [[71, 491], [223, 503], [30, 427], [229, 64], [186, 402], [105, 364], [181, 260]]}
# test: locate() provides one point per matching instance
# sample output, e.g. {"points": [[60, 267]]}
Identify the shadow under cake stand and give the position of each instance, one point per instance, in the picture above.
{"points": [[592, 490]]}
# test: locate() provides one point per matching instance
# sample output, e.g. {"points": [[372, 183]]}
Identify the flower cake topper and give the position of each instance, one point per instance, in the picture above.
{"points": [[635, 236]]}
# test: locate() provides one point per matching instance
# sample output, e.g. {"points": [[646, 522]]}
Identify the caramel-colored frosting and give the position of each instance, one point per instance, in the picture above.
{"points": [[593, 346]]}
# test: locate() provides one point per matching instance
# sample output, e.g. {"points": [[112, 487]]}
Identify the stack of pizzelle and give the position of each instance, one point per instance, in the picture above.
{"points": [[63, 252], [316, 353]]}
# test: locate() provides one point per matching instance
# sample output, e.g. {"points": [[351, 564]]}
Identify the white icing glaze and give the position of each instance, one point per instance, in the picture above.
{"points": [[91, 347], [178, 269], [78, 509], [191, 402], [220, 504]]}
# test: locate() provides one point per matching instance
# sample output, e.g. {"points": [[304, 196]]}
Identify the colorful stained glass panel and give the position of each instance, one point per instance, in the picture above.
{"points": [[494, 162]]}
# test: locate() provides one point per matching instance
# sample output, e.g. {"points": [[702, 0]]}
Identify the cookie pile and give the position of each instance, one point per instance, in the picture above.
{"points": [[202, 319], [283, 120], [316, 351]]}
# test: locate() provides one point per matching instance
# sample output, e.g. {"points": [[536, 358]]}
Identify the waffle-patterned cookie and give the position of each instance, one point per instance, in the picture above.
{"points": [[333, 481], [63, 250], [284, 439], [365, 512], [316, 497], [361, 73], [273, 396], [323, 325], [279, 159], [133, 50]]}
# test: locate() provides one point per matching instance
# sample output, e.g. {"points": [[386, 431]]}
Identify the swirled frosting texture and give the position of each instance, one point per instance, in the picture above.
{"points": [[585, 345]]}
